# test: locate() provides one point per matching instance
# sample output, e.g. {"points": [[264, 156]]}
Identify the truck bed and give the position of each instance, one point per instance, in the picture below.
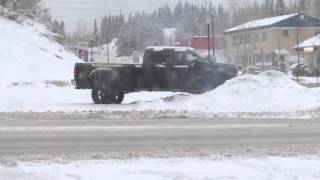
{"points": [[83, 72]]}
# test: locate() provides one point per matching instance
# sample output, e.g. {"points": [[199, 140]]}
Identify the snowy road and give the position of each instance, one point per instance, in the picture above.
{"points": [[181, 137]]}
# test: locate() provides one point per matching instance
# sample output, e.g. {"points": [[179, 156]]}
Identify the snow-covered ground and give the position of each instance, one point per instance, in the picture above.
{"points": [[275, 168], [28, 55], [268, 92]]}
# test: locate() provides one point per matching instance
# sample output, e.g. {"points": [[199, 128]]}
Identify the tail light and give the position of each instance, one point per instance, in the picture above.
{"points": [[76, 71]]}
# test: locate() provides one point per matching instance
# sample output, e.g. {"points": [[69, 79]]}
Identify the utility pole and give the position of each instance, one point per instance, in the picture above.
{"points": [[213, 38], [108, 55], [298, 48], [301, 17], [209, 47], [91, 47]]}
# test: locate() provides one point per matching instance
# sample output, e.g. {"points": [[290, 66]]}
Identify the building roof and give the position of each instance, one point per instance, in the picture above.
{"points": [[312, 42], [290, 20]]}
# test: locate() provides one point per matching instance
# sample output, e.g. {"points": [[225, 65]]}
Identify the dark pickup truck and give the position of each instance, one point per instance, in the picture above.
{"points": [[163, 69]]}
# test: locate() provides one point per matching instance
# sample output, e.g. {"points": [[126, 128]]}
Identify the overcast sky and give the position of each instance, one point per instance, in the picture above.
{"points": [[71, 11]]}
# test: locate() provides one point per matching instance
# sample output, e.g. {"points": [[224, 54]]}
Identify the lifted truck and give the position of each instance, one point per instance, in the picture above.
{"points": [[163, 69]]}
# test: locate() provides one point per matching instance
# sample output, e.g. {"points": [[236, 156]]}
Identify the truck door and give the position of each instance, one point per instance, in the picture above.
{"points": [[196, 76], [154, 64], [177, 70]]}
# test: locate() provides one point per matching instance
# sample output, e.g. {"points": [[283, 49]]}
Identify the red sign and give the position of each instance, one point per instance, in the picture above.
{"points": [[84, 54]]}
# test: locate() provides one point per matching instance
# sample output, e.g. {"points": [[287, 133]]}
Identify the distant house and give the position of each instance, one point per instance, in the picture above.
{"points": [[269, 42], [311, 51]]}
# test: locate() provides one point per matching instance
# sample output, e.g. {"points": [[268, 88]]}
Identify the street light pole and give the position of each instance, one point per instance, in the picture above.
{"points": [[91, 45], [213, 38], [108, 47], [301, 17], [209, 47], [298, 48]]}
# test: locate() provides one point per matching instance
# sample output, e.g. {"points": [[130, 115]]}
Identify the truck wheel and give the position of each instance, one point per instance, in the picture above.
{"points": [[97, 96], [119, 98]]}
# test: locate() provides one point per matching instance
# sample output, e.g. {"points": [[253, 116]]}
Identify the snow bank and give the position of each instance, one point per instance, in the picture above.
{"points": [[276, 168], [28, 55], [113, 48], [270, 91]]}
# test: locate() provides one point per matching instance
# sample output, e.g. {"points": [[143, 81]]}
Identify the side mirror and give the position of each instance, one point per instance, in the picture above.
{"points": [[196, 59]]}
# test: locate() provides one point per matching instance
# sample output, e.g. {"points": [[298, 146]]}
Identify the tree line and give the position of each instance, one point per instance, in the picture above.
{"points": [[143, 29], [19, 10]]}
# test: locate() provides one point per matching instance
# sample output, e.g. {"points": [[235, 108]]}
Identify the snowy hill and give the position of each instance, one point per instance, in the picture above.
{"points": [[27, 55]]}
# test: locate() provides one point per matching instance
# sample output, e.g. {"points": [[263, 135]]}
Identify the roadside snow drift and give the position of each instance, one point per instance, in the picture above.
{"points": [[276, 168], [27, 55], [270, 91]]}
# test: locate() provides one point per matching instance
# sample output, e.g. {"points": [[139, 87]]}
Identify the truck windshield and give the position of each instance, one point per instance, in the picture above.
{"points": [[201, 57]]}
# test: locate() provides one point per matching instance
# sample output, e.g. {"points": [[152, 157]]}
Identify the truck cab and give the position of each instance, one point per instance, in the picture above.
{"points": [[182, 69]]}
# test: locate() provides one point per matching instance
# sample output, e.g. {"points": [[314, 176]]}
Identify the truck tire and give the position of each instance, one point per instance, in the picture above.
{"points": [[119, 98], [113, 98], [97, 96]]}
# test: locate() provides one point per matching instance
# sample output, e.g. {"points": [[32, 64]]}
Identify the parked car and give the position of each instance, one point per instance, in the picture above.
{"points": [[163, 69], [303, 70]]}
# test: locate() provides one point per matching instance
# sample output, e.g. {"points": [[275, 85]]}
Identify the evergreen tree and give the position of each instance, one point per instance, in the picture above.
{"points": [[304, 5], [62, 30], [316, 7], [280, 7], [16, 9], [55, 28], [95, 34]]}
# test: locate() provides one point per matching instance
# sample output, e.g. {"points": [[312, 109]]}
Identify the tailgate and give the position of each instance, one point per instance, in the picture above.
{"points": [[81, 75]]}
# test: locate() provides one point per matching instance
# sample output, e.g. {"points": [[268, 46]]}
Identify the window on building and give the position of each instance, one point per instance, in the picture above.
{"points": [[241, 39], [264, 36], [248, 37], [234, 40], [256, 37], [285, 33]]}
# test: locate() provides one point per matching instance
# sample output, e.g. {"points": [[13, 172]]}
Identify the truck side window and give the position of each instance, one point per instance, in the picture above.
{"points": [[185, 58], [157, 58]]}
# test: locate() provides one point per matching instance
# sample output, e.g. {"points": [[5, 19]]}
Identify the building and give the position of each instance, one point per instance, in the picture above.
{"points": [[310, 49], [269, 42]]}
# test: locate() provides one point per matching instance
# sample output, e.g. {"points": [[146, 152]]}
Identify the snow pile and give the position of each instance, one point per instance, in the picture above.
{"points": [[102, 55], [169, 36], [276, 168], [270, 91], [113, 48], [28, 55]]}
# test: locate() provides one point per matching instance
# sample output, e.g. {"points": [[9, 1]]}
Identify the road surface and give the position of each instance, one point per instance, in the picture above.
{"points": [[46, 136]]}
